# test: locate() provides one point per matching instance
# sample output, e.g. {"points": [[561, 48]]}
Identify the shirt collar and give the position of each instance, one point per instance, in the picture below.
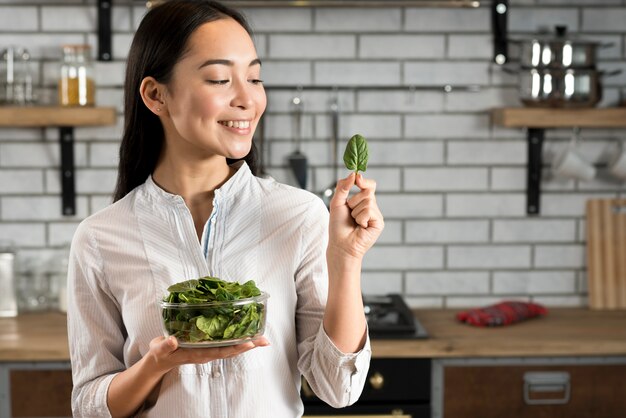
{"points": [[232, 185]]}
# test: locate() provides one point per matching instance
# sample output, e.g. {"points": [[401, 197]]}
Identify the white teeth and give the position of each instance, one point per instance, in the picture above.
{"points": [[238, 124]]}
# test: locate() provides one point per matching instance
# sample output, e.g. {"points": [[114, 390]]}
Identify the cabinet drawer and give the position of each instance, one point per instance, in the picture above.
{"points": [[522, 392], [40, 393]]}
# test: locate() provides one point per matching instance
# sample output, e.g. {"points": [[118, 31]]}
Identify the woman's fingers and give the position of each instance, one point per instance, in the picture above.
{"points": [[163, 346], [365, 184], [203, 355], [342, 190]]}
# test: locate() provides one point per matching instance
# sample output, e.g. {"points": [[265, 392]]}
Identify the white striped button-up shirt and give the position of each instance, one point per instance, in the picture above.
{"points": [[124, 257]]}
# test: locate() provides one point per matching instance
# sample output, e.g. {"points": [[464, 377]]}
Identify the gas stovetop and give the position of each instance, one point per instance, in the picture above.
{"points": [[389, 317]]}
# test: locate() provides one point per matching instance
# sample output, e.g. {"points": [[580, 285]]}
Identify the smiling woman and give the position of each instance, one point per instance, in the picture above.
{"points": [[188, 205]]}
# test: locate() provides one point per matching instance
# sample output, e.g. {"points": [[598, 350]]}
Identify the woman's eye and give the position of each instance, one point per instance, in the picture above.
{"points": [[218, 82], [256, 81]]}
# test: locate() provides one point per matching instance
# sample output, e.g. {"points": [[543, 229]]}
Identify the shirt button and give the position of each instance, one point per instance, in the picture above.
{"points": [[348, 390], [217, 374]]}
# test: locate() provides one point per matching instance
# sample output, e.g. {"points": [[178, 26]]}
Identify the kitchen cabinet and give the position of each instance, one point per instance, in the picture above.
{"points": [[537, 120], [65, 118], [552, 388], [36, 390]]}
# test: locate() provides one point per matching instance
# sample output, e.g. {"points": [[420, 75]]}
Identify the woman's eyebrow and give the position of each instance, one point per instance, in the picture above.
{"points": [[227, 62]]}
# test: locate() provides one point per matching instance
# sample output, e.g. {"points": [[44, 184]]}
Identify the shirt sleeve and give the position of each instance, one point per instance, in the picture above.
{"points": [[95, 328], [336, 377]]}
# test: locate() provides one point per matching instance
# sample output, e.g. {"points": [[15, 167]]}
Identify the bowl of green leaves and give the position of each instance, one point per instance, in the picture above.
{"points": [[210, 312]]}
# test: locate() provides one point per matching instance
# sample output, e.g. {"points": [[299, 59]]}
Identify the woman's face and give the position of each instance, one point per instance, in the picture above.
{"points": [[215, 97]]}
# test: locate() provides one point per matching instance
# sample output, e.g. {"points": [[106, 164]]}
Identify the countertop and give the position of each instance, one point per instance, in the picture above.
{"points": [[563, 332]]}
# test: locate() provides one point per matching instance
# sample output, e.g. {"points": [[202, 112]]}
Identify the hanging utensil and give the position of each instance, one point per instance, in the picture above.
{"points": [[329, 192], [297, 160]]}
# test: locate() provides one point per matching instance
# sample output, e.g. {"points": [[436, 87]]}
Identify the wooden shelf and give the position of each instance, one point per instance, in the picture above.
{"points": [[44, 116], [537, 120], [533, 117], [64, 118]]}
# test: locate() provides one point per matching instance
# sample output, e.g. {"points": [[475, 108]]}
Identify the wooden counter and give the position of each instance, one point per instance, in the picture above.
{"points": [[564, 332]]}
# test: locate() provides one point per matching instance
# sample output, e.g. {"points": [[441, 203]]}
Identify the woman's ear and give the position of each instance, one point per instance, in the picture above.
{"points": [[152, 94]]}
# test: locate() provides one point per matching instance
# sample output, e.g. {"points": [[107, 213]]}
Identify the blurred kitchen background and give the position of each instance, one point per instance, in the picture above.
{"points": [[419, 83]]}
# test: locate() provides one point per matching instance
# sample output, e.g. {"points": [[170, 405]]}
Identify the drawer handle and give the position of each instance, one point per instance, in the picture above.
{"points": [[537, 382], [377, 381]]}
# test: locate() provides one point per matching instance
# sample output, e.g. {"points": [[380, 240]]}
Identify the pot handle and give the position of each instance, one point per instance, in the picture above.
{"points": [[511, 69], [610, 73]]}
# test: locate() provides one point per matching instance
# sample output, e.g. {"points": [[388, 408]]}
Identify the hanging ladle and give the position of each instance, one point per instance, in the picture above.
{"points": [[297, 160], [328, 193]]}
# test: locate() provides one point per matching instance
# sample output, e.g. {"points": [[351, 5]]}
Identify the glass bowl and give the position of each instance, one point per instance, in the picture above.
{"points": [[215, 324]]}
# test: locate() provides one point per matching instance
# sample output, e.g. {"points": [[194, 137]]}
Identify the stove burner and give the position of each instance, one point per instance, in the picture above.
{"points": [[389, 317]]}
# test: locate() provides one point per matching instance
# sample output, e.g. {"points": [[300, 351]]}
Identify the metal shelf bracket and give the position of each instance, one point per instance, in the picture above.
{"points": [[68, 188], [104, 30], [535, 138], [499, 14]]}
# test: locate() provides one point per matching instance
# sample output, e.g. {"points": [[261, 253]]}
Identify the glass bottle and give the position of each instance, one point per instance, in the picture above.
{"points": [[76, 83]]}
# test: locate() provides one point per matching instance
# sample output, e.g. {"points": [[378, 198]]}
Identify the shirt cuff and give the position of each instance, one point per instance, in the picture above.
{"points": [[355, 361]]}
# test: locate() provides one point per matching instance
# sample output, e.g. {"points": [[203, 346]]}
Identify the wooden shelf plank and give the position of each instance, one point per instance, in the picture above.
{"points": [[45, 116], [532, 117]]}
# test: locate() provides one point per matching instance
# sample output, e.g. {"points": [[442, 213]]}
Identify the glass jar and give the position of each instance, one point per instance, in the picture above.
{"points": [[76, 83], [16, 85]]}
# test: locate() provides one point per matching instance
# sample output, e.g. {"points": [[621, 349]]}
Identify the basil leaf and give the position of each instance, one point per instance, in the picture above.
{"points": [[357, 153]]}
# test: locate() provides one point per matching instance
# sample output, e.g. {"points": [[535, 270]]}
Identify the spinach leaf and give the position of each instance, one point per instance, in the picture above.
{"points": [[356, 154], [209, 323]]}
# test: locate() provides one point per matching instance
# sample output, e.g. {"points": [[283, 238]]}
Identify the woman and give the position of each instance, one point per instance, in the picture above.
{"points": [[188, 205]]}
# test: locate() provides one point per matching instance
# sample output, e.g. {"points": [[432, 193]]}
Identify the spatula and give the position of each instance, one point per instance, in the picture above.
{"points": [[297, 160]]}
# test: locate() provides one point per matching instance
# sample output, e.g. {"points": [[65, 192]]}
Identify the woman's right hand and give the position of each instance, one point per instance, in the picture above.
{"points": [[165, 354]]}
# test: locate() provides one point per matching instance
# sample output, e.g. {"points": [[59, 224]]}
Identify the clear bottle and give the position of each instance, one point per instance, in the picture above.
{"points": [[76, 82]]}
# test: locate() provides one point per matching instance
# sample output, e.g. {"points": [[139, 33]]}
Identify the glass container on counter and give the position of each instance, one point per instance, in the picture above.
{"points": [[8, 299], [76, 81]]}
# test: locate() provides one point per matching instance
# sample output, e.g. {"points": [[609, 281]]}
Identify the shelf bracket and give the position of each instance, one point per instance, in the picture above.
{"points": [[104, 30], [68, 188], [533, 176], [499, 14]]}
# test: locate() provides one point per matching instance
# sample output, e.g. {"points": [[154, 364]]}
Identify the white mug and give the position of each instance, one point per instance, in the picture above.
{"points": [[617, 164], [568, 163]]}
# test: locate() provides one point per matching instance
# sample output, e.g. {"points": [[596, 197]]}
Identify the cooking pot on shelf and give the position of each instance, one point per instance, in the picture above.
{"points": [[559, 71], [558, 50], [570, 88]]}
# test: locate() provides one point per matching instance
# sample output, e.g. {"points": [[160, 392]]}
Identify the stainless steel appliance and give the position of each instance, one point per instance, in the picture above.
{"points": [[395, 387]]}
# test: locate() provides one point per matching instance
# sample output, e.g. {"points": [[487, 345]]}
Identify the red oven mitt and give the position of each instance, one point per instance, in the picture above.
{"points": [[503, 313]]}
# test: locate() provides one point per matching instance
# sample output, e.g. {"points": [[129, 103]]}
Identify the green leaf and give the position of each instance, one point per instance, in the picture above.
{"points": [[356, 154], [182, 287]]}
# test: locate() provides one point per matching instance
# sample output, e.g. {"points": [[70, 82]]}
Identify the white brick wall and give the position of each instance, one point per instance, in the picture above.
{"points": [[451, 185]]}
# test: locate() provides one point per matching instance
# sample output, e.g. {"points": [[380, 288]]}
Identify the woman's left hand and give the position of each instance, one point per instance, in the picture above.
{"points": [[355, 222]]}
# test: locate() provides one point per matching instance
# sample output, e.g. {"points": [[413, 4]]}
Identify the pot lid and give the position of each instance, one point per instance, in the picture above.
{"points": [[560, 36]]}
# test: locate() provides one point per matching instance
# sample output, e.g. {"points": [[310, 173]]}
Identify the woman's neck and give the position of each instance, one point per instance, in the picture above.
{"points": [[195, 182]]}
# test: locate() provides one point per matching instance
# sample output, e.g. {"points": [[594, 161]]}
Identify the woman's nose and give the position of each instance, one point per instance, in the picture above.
{"points": [[243, 97]]}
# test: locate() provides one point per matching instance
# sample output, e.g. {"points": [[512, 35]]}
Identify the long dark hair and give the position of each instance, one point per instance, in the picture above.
{"points": [[157, 46]]}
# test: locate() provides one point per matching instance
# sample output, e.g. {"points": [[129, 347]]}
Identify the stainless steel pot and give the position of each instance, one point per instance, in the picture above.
{"points": [[560, 88], [558, 51]]}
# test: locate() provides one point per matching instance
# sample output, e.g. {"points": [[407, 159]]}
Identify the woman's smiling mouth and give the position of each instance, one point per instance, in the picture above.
{"points": [[237, 124]]}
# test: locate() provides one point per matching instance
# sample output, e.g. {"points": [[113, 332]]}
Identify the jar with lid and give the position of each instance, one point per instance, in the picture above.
{"points": [[16, 78], [76, 82]]}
